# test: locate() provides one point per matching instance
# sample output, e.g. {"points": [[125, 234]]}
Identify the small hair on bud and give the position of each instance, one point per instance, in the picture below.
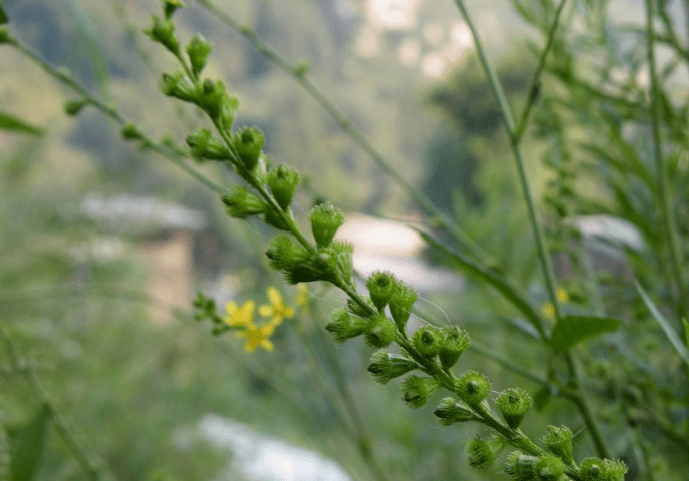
{"points": [[549, 468], [381, 286], [416, 390], [558, 440], [603, 469], [283, 182], [241, 203], [520, 466], [325, 220], [453, 343], [401, 303], [514, 403], [479, 454], [472, 387], [427, 340], [385, 366], [451, 411], [343, 326], [380, 331]]}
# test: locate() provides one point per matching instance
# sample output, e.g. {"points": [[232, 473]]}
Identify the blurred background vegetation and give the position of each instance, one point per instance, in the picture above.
{"points": [[104, 245]]}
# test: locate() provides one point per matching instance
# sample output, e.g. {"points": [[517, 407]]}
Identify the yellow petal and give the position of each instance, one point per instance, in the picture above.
{"points": [[288, 312], [267, 345], [274, 296], [231, 307], [265, 311]]}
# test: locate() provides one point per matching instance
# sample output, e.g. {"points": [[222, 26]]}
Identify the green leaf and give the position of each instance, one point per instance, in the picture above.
{"points": [[571, 330], [26, 445], [8, 122], [674, 338], [3, 16], [498, 281], [685, 324]]}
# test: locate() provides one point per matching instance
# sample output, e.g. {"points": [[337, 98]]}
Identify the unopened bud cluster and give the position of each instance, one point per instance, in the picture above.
{"points": [[382, 317]]}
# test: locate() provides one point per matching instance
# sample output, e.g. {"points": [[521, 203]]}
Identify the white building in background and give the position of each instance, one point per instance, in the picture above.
{"points": [[388, 245]]}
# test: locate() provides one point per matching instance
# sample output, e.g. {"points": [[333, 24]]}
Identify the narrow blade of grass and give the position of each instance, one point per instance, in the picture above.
{"points": [[664, 323]]}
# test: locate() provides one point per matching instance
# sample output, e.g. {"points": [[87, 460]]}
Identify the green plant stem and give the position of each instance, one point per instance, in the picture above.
{"points": [[669, 220], [59, 422], [545, 260], [445, 221], [523, 122], [170, 153]]}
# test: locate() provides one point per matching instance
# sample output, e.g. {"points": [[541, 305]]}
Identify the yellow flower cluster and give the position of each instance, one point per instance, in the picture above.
{"points": [[548, 309], [276, 311]]}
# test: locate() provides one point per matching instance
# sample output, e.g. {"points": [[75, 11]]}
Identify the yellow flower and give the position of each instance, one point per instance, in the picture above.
{"points": [[277, 310], [258, 336], [243, 316], [562, 295], [548, 310]]}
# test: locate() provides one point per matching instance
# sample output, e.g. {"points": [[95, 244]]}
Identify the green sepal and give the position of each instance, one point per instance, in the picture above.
{"points": [[385, 366], [248, 142], [163, 31], [401, 303], [283, 182], [514, 403], [198, 49], [204, 146], [380, 331], [472, 387], [416, 390], [241, 203], [381, 286], [453, 343], [325, 220], [427, 340]]}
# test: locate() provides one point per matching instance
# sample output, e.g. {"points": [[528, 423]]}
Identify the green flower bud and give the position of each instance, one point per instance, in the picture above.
{"points": [[241, 203], [205, 146], [325, 220], [343, 326], [513, 403], [283, 182], [218, 104], [163, 31], [450, 411], [285, 254], [427, 341], [249, 142], [559, 442], [380, 331], [520, 466], [178, 85], [340, 262], [595, 469], [131, 131], [401, 303], [198, 50], [170, 6], [472, 387], [73, 107], [549, 468], [479, 454], [416, 390], [385, 366], [357, 310], [453, 343], [381, 286]]}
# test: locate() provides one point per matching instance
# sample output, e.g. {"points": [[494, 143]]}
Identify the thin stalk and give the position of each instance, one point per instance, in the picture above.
{"points": [[545, 260], [59, 421], [170, 153], [669, 220], [539, 70], [294, 71]]}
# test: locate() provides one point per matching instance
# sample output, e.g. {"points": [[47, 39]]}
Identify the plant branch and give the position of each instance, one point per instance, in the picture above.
{"points": [[664, 196], [171, 153], [539, 70], [300, 77]]}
